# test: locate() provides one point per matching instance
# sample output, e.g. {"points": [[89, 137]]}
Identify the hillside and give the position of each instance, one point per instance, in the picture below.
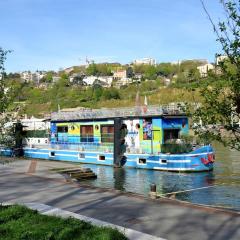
{"points": [[35, 101], [162, 84]]}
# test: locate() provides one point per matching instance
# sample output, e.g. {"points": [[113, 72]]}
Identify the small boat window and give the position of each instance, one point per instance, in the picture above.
{"points": [[142, 161], [164, 161], [81, 155], [52, 154], [101, 157]]}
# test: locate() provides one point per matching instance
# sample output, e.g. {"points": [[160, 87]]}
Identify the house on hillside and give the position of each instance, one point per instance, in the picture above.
{"points": [[123, 81], [55, 79], [104, 81], [205, 68], [220, 59], [28, 76], [68, 70], [145, 61], [76, 78], [137, 77], [89, 80], [123, 73]]}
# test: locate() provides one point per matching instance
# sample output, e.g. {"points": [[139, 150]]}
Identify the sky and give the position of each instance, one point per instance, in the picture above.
{"points": [[54, 34]]}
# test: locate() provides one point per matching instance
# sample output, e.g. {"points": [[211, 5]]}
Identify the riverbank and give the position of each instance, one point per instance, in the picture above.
{"points": [[26, 181]]}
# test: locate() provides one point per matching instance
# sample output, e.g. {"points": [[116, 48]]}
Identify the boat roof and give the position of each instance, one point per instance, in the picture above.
{"points": [[170, 110]]}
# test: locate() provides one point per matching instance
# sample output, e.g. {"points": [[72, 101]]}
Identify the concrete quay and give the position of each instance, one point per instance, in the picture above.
{"points": [[31, 181]]}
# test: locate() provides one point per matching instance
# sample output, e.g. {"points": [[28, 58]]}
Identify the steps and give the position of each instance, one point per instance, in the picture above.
{"points": [[77, 173]]}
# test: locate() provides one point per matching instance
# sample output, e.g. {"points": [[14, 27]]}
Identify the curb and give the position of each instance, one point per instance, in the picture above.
{"points": [[52, 211]]}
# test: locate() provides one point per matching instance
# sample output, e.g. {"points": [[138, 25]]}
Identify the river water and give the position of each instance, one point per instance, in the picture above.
{"points": [[221, 186]]}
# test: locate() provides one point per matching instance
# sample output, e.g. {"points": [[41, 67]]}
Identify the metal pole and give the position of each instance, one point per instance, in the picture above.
{"points": [[152, 141], [117, 141]]}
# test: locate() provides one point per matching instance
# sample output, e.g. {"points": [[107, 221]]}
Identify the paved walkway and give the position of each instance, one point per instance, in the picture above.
{"points": [[161, 218]]}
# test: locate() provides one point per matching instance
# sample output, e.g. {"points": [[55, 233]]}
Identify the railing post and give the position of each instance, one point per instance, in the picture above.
{"points": [[153, 191]]}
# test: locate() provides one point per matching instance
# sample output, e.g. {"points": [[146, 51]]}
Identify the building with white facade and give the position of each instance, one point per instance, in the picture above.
{"points": [[146, 61], [55, 79], [107, 80], [35, 125], [204, 69], [123, 81], [220, 59], [28, 76]]}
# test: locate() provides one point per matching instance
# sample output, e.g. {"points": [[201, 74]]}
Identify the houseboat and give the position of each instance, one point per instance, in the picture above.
{"points": [[148, 137]]}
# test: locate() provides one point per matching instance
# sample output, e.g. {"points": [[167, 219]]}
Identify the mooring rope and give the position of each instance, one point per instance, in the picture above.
{"points": [[189, 190]]}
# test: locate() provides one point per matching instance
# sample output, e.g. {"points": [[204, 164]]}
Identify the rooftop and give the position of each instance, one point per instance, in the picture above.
{"points": [[127, 112]]}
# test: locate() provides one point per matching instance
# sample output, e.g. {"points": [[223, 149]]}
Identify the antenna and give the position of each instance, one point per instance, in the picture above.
{"points": [[87, 61]]}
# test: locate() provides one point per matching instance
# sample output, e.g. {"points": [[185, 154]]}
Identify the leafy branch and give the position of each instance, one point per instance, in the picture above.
{"points": [[219, 113]]}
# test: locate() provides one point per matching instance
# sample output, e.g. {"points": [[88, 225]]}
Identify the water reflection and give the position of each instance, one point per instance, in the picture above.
{"points": [[119, 176], [225, 178]]}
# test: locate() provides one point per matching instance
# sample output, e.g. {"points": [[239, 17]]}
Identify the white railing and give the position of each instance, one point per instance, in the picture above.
{"points": [[80, 147]]}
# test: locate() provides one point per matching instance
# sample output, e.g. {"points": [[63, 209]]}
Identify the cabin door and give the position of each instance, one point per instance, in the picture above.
{"points": [[155, 141], [170, 134]]}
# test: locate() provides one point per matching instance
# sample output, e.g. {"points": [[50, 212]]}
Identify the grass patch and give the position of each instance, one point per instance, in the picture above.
{"points": [[20, 223]]}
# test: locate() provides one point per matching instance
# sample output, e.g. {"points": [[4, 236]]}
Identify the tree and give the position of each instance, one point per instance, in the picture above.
{"points": [[49, 77], [220, 111], [4, 97], [111, 93], [150, 72], [92, 70], [104, 70], [78, 80], [6, 129], [167, 69]]}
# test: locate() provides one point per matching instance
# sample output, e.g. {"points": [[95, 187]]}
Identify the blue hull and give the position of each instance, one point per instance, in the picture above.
{"points": [[201, 159]]}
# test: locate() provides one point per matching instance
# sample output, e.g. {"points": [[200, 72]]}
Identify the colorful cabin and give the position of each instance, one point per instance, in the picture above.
{"points": [[143, 135]]}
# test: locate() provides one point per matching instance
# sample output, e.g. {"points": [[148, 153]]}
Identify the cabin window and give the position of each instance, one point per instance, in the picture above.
{"points": [[147, 129], [62, 129], [86, 133], [107, 133], [81, 156], [170, 134]]}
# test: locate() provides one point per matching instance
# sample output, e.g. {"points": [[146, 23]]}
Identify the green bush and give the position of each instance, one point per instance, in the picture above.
{"points": [[36, 134], [174, 148]]}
